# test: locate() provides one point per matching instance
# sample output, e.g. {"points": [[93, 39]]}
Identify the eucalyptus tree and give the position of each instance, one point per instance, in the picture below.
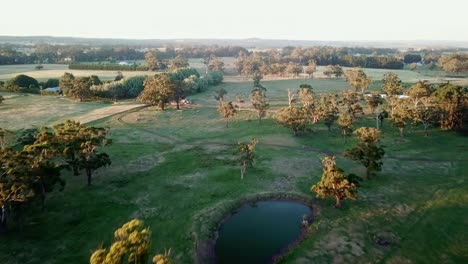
{"points": [[260, 103], [81, 88], [158, 90], [247, 155], [367, 151], [131, 244], [345, 122], [151, 60], [358, 79], [401, 116], [453, 102], [307, 98], [373, 101], [292, 117], [419, 92], [227, 111], [334, 183], [311, 68]]}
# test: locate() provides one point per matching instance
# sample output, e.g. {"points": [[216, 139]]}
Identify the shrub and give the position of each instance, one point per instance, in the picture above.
{"points": [[22, 81], [215, 77]]}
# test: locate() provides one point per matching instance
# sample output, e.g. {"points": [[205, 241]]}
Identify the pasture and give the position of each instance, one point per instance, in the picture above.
{"points": [[176, 171]]}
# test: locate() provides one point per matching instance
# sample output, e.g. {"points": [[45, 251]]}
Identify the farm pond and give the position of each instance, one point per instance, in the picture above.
{"points": [[259, 231]]}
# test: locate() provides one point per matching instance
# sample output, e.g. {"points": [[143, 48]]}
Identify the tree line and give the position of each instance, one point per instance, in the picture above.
{"points": [[47, 53], [106, 67]]}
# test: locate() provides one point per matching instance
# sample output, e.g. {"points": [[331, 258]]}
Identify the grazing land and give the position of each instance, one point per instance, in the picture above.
{"points": [[176, 171]]}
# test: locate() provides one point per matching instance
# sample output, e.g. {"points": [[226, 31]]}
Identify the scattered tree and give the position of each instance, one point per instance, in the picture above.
{"points": [[453, 101], [227, 111], [307, 98], [219, 96], [292, 117], [81, 88], [247, 155], [327, 109], [66, 82], [311, 68], [367, 151], [158, 91], [358, 79], [131, 245], [392, 84], [420, 90], [337, 71], [345, 122], [334, 183], [401, 115], [427, 115], [151, 60], [259, 102], [373, 101], [328, 71], [179, 62]]}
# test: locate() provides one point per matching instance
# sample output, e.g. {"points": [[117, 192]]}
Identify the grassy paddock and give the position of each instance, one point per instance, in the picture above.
{"points": [[176, 171]]}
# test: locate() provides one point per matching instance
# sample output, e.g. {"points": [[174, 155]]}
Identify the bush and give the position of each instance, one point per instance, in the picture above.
{"points": [[124, 89], [215, 77], [22, 81], [51, 83]]}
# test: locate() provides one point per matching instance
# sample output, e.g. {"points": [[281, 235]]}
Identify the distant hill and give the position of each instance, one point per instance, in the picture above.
{"points": [[247, 43]]}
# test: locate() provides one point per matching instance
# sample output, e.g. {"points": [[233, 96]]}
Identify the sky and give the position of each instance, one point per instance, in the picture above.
{"points": [[365, 20]]}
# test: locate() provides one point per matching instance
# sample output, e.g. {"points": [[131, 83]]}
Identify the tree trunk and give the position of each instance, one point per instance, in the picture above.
{"points": [[243, 168], [3, 219], [377, 119], [89, 174], [338, 202], [401, 132], [76, 170], [178, 103], [426, 132]]}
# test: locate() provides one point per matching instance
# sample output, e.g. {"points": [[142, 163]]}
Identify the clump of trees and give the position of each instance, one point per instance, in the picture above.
{"points": [[131, 245], [33, 172], [106, 67], [454, 63]]}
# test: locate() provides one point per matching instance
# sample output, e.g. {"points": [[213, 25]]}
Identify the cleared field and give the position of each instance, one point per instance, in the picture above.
{"points": [[176, 171], [21, 111]]}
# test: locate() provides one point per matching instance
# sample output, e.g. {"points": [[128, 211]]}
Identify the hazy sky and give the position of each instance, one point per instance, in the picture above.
{"points": [[276, 19]]}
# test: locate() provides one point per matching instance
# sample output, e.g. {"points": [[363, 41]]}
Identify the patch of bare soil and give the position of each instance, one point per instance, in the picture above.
{"points": [[105, 112]]}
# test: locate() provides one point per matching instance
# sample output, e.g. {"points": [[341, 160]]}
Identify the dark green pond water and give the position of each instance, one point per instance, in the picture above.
{"points": [[256, 233]]}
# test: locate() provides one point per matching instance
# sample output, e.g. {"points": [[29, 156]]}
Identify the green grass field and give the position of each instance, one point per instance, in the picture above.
{"points": [[175, 170]]}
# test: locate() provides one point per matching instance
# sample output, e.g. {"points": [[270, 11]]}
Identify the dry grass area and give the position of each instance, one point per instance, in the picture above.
{"points": [[22, 111]]}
